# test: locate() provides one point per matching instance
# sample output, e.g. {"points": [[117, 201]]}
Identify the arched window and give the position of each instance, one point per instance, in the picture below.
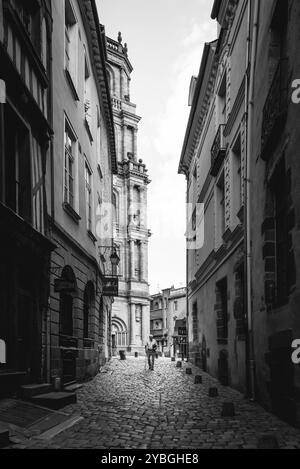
{"points": [[66, 301], [115, 202], [88, 302]]}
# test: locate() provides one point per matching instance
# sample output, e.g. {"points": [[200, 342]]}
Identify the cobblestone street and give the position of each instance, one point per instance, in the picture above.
{"points": [[126, 406]]}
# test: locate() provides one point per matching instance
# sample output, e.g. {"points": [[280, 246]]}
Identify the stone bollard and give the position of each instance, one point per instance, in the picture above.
{"points": [[172, 359], [213, 392], [228, 409], [188, 371], [267, 442], [179, 365], [198, 379]]}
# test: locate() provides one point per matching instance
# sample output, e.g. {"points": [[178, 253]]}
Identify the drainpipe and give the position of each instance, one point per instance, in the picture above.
{"points": [[250, 104]]}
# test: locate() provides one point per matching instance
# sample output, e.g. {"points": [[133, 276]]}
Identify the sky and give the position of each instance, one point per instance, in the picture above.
{"points": [[165, 41]]}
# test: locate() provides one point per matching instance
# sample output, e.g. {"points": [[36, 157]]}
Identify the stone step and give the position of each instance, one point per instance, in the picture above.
{"points": [[73, 387], [55, 400], [4, 436], [31, 390]]}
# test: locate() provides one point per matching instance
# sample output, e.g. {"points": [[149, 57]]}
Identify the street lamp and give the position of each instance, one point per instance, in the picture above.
{"points": [[115, 261]]}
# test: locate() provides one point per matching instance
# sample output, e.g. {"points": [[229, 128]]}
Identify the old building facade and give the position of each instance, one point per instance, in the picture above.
{"points": [[77, 335], [130, 316], [213, 159], [168, 321], [275, 208], [240, 160], [25, 133]]}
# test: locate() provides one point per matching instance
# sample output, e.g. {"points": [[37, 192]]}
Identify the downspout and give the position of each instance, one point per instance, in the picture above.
{"points": [[250, 89]]}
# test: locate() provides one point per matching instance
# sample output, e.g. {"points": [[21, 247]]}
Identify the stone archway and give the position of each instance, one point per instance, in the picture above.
{"points": [[119, 334]]}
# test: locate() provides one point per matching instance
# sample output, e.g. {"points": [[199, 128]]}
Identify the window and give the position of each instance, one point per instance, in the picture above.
{"points": [[221, 309], [221, 101], [175, 305], [281, 209], [87, 309], [69, 171], [17, 165], [29, 14], [44, 51], [277, 47], [88, 197], [87, 94], [236, 178], [66, 314], [220, 209], [115, 208], [71, 43], [195, 322], [137, 260], [98, 142]]}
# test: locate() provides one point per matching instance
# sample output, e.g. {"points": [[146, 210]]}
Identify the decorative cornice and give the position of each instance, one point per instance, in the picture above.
{"points": [[97, 48]]}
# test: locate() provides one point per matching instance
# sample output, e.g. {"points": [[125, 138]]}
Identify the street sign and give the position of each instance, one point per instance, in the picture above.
{"points": [[62, 285], [2, 92], [111, 286]]}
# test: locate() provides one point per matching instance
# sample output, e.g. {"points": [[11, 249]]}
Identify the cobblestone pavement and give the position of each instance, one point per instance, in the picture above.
{"points": [[126, 406]]}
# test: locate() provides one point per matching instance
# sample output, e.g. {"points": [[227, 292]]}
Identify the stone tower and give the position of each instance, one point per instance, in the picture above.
{"points": [[131, 309]]}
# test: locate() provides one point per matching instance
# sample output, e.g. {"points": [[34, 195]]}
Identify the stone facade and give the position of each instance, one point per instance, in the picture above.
{"points": [[130, 316], [213, 160], [25, 131], [275, 206], [77, 335]]}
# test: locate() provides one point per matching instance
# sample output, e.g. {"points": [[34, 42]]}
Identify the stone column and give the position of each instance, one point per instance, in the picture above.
{"points": [[132, 324], [145, 324], [131, 255], [135, 131], [143, 260]]}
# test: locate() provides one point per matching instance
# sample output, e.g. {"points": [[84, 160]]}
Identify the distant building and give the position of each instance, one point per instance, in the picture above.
{"points": [[168, 321], [130, 315]]}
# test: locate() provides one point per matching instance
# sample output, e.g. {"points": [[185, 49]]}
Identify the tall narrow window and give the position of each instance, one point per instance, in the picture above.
{"points": [[69, 176], [98, 143], [17, 165], [88, 197], [87, 97], [88, 300], [71, 42], [221, 309], [220, 209], [195, 321], [137, 260], [221, 102]]}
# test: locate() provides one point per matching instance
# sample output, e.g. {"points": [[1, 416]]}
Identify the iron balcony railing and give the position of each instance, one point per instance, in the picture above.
{"points": [[218, 151], [275, 110]]}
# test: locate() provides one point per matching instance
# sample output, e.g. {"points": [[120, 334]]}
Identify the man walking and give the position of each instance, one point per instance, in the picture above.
{"points": [[150, 349]]}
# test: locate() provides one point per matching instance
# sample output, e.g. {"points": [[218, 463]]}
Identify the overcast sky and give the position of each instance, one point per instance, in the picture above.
{"points": [[165, 41]]}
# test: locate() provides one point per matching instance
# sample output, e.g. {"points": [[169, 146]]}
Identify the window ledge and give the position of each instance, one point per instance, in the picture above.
{"points": [[71, 85], [92, 236], [71, 212]]}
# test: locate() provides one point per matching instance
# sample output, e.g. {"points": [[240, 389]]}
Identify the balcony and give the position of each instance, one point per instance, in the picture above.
{"points": [[218, 151], [275, 110]]}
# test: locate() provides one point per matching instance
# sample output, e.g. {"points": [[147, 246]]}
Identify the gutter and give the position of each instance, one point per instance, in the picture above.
{"points": [[250, 105]]}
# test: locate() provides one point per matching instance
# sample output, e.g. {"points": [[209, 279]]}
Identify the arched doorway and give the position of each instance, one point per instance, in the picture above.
{"points": [[68, 343], [119, 335]]}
